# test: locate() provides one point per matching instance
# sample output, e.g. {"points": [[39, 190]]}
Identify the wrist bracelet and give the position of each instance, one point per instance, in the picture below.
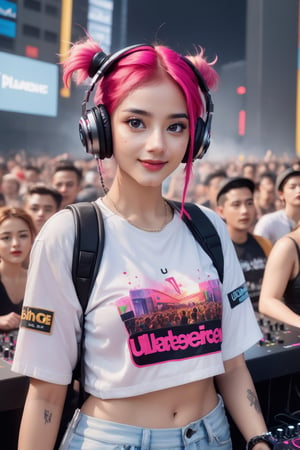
{"points": [[265, 437]]}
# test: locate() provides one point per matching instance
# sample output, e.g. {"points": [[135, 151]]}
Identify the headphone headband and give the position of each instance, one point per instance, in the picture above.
{"points": [[110, 60], [97, 61], [100, 65]]}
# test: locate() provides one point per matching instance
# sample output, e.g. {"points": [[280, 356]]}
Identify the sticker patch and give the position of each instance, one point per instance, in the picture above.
{"points": [[37, 319], [238, 296]]}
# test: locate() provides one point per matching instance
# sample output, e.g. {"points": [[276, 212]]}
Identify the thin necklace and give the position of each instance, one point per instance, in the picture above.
{"points": [[151, 230]]}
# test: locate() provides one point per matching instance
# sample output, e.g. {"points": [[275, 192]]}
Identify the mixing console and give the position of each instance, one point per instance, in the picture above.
{"points": [[277, 353], [287, 436], [8, 345]]}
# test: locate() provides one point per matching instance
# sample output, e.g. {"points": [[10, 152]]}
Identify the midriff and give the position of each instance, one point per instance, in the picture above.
{"points": [[168, 408]]}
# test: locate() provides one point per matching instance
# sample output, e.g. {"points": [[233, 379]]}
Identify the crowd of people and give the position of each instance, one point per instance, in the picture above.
{"points": [[247, 194]]}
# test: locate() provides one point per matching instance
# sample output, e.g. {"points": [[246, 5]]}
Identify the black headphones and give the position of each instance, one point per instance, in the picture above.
{"points": [[94, 124]]}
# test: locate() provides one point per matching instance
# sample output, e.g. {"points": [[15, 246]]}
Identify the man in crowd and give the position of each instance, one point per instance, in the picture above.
{"points": [[249, 170], [265, 196], [235, 204], [10, 190], [212, 183], [67, 180], [41, 202], [278, 223]]}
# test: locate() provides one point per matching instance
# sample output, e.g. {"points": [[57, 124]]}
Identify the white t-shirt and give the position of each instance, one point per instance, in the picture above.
{"points": [[274, 225], [156, 317]]}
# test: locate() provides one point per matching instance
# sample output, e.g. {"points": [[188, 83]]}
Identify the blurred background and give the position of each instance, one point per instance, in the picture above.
{"points": [[255, 42]]}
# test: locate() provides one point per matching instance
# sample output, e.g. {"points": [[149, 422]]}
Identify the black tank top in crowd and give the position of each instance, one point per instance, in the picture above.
{"points": [[6, 305], [292, 292]]}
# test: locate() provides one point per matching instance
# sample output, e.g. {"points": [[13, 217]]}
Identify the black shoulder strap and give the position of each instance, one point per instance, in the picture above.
{"points": [[205, 234], [296, 245], [88, 248]]}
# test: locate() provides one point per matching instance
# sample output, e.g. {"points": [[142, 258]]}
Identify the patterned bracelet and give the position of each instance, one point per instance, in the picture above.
{"points": [[265, 437]]}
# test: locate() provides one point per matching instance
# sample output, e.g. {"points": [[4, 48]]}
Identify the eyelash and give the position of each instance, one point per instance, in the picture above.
{"points": [[134, 119], [181, 125], [140, 122], [21, 236]]}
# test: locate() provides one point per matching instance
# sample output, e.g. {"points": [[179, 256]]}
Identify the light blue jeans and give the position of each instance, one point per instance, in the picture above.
{"points": [[211, 432]]}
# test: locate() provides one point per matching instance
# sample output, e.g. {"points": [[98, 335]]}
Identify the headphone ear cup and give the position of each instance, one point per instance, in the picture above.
{"points": [[107, 131], [198, 140], [88, 132], [91, 133], [199, 137], [104, 132], [95, 132]]}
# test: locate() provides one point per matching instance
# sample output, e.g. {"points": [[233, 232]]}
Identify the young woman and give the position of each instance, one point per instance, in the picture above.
{"points": [[16, 237], [280, 292], [150, 380]]}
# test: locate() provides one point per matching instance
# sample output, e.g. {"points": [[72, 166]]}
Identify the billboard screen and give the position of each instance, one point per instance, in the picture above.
{"points": [[8, 15], [28, 86], [100, 18], [8, 9], [7, 28]]}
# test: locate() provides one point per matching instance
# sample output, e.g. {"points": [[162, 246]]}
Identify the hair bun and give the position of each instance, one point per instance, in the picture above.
{"points": [[97, 61]]}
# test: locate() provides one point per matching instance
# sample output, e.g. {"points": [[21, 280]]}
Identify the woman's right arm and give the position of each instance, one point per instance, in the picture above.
{"points": [[278, 272], [42, 415]]}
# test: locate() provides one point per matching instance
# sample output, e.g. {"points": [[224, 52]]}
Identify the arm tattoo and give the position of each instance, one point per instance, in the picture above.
{"points": [[253, 400], [47, 416]]}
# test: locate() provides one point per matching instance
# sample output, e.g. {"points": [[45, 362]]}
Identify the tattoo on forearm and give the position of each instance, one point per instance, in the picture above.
{"points": [[47, 416], [253, 400]]}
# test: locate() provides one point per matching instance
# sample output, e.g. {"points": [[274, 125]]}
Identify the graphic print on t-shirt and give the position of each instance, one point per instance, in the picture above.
{"points": [[164, 326], [253, 261]]}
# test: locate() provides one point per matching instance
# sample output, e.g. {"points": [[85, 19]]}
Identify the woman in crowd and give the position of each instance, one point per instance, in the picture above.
{"points": [[154, 112], [280, 292], [16, 237]]}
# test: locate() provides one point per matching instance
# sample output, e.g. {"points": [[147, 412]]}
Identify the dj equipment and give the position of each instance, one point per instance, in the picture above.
{"points": [[13, 387], [291, 444], [287, 436], [8, 344], [94, 124], [277, 353]]}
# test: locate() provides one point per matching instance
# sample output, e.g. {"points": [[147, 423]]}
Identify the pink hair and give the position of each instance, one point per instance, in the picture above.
{"points": [[139, 67]]}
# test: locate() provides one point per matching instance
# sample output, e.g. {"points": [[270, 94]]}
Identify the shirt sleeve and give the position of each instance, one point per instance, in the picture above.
{"points": [[262, 228], [50, 324]]}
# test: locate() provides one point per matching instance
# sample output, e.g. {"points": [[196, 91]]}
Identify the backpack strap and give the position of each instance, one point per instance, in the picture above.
{"points": [[87, 255], [88, 248], [204, 232]]}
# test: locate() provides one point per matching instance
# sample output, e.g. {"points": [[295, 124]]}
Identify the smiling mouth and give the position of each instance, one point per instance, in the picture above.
{"points": [[152, 165]]}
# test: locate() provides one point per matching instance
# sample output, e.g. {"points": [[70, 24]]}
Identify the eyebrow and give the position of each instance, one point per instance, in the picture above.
{"points": [[147, 114], [41, 205], [242, 200], [5, 233]]}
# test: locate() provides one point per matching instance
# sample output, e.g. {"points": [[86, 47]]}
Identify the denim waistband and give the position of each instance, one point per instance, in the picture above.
{"points": [[157, 437]]}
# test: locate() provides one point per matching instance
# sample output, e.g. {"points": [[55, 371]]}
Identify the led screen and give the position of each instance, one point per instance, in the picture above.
{"points": [[8, 9], [28, 86], [7, 28]]}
